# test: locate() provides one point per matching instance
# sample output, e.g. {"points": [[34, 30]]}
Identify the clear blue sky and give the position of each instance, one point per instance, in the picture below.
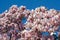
{"points": [[30, 4]]}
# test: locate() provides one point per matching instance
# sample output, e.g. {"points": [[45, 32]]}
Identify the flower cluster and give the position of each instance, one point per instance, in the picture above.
{"points": [[41, 24]]}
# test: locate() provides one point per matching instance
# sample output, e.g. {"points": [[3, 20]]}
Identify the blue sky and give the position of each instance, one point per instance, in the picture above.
{"points": [[30, 4]]}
